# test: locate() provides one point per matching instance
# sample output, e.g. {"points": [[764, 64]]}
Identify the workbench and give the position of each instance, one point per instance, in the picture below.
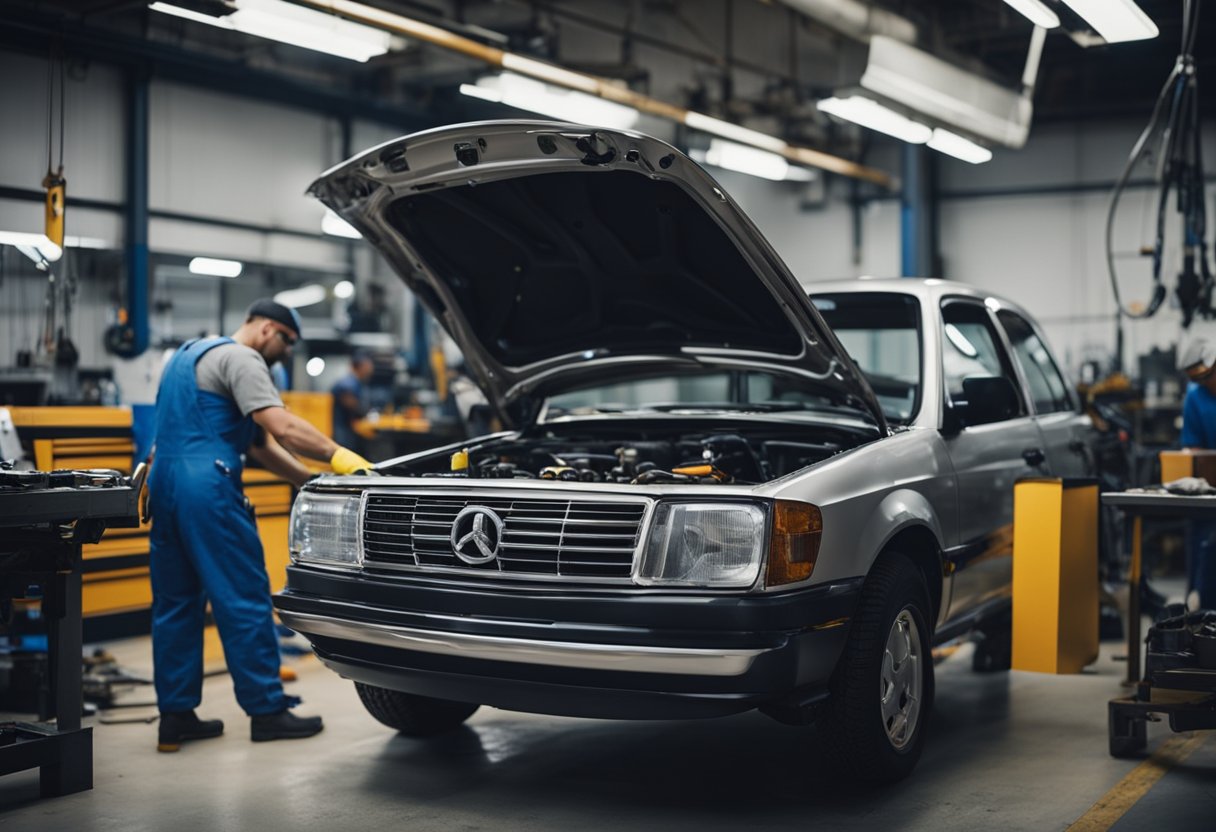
{"points": [[42, 529], [1137, 505], [1186, 695]]}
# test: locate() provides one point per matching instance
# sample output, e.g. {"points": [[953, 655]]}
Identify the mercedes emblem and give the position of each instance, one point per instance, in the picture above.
{"points": [[476, 535]]}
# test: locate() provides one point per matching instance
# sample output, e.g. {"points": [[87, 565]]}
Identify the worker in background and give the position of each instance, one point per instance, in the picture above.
{"points": [[215, 403], [1198, 360], [350, 399]]}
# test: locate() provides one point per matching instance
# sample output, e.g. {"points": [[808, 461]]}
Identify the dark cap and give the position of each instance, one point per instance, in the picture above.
{"points": [[277, 312]]}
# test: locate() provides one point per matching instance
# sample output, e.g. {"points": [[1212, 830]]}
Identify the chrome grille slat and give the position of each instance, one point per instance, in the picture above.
{"points": [[561, 537]]}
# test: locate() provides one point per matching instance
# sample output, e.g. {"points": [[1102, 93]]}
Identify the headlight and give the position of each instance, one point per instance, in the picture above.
{"points": [[703, 544], [325, 529]]}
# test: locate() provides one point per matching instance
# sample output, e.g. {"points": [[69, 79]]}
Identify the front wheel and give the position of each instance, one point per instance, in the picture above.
{"points": [[882, 690], [413, 716]]}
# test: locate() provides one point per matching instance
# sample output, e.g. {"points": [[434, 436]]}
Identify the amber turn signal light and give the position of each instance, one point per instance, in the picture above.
{"points": [[794, 543]]}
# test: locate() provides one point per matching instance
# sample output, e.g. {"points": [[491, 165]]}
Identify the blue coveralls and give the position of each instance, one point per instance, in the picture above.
{"points": [[205, 545], [1199, 431]]}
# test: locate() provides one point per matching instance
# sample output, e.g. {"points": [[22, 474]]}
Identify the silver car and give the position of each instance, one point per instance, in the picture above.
{"points": [[712, 492]]}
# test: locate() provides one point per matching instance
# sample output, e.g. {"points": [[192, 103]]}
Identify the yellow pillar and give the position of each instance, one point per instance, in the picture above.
{"points": [[1055, 575]]}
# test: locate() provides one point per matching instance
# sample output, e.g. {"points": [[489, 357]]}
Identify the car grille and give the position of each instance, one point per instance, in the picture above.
{"points": [[542, 536]]}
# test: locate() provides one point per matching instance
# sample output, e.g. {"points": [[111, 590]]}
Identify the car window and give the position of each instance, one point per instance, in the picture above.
{"points": [[1047, 387], [971, 348], [881, 332]]}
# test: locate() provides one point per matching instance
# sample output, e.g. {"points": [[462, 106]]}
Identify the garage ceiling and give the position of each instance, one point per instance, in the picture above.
{"points": [[749, 61]]}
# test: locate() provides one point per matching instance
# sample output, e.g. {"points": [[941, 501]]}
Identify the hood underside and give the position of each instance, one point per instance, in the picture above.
{"points": [[557, 255]]}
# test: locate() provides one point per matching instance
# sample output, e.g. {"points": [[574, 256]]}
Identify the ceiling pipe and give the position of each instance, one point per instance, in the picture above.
{"points": [[856, 19], [552, 74]]}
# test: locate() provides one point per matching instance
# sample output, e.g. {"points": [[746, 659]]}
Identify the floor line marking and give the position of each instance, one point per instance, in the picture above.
{"points": [[1123, 795]]}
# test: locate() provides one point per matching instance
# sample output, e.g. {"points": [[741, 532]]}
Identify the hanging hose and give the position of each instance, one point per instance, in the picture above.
{"points": [[1180, 168]]}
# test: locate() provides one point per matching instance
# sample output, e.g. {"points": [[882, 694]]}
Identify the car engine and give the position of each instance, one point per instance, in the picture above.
{"points": [[713, 456]]}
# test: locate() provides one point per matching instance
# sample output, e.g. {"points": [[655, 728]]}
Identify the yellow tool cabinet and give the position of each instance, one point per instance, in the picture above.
{"points": [[116, 592]]}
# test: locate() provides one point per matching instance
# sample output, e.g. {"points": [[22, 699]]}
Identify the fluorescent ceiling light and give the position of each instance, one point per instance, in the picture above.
{"points": [[295, 25], [344, 289], [869, 113], [482, 92], [334, 225], [952, 144], [315, 366], [306, 295], [549, 72], [1115, 20], [555, 102], [215, 268], [37, 247], [752, 161], [1035, 12], [718, 127], [84, 242]]}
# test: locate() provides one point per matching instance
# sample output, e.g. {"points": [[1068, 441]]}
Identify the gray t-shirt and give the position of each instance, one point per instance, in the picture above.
{"points": [[239, 373]]}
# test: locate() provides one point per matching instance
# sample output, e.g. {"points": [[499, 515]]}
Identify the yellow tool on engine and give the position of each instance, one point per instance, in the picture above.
{"points": [[460, 460], [705, 470]]}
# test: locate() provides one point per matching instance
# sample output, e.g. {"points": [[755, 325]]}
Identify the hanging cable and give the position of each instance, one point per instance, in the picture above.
{"points": [[1175, 119]]}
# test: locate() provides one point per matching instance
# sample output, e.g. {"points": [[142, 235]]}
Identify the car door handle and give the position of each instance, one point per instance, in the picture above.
{"points": [[1076, 446], [1034, 457]]}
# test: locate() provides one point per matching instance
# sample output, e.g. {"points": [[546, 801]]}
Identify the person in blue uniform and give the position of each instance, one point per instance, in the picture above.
{"points": [[217, 402], [1198, 360], [350, 399]]}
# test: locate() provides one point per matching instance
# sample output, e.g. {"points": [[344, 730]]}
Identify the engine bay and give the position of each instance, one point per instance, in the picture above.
{"points": [[612, 453]]}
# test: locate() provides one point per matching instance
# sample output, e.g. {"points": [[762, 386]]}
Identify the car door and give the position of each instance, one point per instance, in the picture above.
{"points": [[988, 457], [1065, 430]]}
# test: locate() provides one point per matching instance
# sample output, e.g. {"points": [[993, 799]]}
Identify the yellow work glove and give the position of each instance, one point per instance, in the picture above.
{"points": [[345, 461], [145, 513]]}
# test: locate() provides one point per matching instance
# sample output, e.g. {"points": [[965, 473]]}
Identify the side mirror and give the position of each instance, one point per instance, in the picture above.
{"points": [[986, 399]]}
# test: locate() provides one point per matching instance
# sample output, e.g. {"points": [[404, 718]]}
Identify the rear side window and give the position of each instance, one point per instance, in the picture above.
{"points": [[1047, 385], [971, 348]]}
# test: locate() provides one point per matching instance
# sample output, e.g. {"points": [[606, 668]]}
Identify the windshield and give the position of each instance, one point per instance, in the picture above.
{"points": [[734, 390], [881, 331]]}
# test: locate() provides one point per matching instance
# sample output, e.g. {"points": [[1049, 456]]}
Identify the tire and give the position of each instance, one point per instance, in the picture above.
{"points": [[413, 716], [876, 741]]}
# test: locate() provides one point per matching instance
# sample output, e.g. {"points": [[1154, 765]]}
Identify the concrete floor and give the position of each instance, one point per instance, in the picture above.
{"points": [[1008, 751]]}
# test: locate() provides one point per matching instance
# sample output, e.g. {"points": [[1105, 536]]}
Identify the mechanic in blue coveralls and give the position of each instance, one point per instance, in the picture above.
{"points": [[1198, 360], [215, 403]]}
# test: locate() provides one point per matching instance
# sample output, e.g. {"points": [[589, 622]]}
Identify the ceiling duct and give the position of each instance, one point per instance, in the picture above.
{"points": [[953, 96], [925, 87], [856, 19]]}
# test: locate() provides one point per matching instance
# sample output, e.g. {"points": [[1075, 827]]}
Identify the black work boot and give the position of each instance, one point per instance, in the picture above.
{"points": [[178, 726], [283, 726]]}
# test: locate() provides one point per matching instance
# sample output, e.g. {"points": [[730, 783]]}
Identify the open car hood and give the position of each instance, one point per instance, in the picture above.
{"points": [[558, 255]]}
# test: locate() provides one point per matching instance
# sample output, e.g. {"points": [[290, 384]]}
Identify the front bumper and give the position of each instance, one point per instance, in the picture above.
{"points": [[586, 653]]}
